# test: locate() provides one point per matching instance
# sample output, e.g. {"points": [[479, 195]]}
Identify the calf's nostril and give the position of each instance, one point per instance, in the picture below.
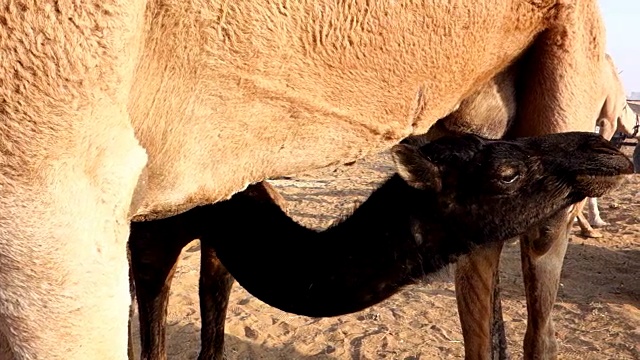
{"points": [[630, 168]]}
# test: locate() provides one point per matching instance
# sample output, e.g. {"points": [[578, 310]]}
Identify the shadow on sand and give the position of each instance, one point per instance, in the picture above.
{"points": [[183, 343]]}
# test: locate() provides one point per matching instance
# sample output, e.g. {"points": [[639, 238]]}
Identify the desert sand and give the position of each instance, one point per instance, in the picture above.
{"points": [[597, 314]]}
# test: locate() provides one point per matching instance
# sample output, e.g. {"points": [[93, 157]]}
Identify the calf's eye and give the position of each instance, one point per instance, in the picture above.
{"points": [[510, 178], [507, 174]]}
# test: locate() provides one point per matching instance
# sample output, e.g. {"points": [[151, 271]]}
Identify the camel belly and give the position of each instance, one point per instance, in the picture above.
{"points": [[223, 101]]}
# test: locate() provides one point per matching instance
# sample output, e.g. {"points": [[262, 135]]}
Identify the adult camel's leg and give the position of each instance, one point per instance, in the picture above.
{"points": [[155, 247], [499, 336], [478, 296], [558, 92], [606, 126], [542, 253], [215, 288], [69, 165], [594, 213], [636, 158]]}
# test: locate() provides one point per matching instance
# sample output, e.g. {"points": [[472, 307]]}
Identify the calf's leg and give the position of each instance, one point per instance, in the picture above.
{"points": [[155, 247], [215, 280], [215, 288]]}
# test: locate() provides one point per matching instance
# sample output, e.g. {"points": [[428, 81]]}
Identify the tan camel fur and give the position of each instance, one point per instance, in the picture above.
{"points": [[115, 110]]}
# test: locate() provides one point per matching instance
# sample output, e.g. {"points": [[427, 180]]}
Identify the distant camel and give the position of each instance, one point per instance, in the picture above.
{"points": [[121, 110], [615, 116], [627, 125], [449, 196]]}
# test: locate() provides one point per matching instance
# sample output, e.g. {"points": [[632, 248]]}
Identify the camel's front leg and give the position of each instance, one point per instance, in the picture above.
{"points": [[132, 293], [155, 247], [216, 281], [477, 294], [64, 290], [542, 251], [69, 166]]}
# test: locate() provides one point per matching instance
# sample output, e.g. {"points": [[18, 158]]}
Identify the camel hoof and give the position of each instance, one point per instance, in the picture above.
{"points": [[591, 234]]}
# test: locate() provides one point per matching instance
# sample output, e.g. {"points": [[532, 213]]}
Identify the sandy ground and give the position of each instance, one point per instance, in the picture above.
{"points": [[597, 315]]}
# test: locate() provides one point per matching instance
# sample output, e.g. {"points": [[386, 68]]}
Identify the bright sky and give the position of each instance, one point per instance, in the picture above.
{"points": [[622, 21]]}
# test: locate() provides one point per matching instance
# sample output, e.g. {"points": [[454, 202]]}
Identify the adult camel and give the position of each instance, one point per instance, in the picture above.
{"points": [[121, 110], [615, 116], [626, 124]]}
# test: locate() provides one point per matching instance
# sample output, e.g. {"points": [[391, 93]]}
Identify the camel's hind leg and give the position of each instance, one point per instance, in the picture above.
{"points": [[542, 253], [558, 91], [477, 292]]}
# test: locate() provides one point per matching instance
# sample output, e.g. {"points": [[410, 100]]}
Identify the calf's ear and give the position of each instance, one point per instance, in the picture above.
{"points": [[415, 169]]}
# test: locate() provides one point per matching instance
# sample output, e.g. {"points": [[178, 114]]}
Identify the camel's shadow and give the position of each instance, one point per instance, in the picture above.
{"points": [[590, 274]]}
